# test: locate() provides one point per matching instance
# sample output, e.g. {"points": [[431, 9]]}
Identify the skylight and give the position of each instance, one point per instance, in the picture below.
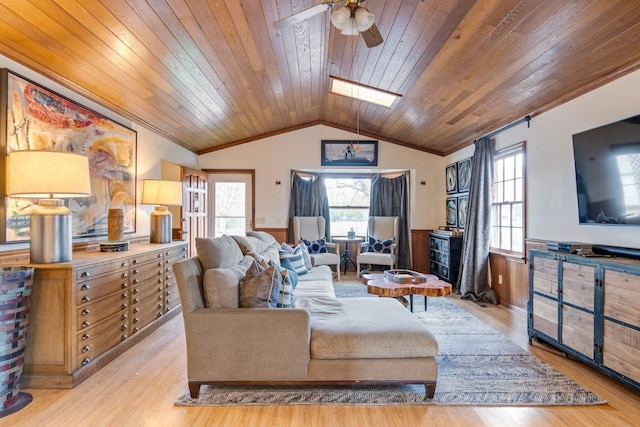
{"points": [[363, 92]]}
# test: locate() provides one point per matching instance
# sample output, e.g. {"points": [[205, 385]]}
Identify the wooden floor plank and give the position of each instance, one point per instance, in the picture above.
{"points": [[139, 387]]}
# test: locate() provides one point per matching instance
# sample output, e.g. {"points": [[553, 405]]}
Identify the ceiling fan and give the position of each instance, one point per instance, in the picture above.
{"points": [[351, 19]]}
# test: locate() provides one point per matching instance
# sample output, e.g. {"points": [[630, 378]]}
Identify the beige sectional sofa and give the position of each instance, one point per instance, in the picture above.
{"points": [[321, 340]]}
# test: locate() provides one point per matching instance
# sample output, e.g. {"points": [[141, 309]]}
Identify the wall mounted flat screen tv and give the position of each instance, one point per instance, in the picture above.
{"points": [[607, 166]]}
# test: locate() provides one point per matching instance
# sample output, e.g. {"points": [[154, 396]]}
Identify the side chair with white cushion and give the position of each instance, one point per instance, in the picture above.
{"points": [[380, 244]]}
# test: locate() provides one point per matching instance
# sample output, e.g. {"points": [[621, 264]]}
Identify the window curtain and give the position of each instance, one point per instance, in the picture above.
{"points": [[390, 197], [473, 281], [308, 198]]}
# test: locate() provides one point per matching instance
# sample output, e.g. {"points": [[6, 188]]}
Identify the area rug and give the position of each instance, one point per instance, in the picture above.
{"points": [[477, 366]]}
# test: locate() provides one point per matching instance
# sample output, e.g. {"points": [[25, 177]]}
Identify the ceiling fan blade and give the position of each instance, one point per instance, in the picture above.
{"points": [[305, 14], [372, 36]]}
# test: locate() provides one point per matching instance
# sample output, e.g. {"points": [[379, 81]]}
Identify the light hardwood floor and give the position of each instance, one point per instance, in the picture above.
{"points": [[138, 389]]}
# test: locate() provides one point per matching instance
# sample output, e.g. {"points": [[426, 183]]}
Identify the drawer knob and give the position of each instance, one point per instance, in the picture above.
{"points": [[85, 324], [85, 274], [85, 349], [124, 295], [160, 306], [136, 271], [135, 290], [86, 361], [135, 310], [123, 327], [159, 255], [123, 337], [159, 288], [124, 264], [136, 300], [136, 281], [124, 306], [135, 330], [124, 316], [124, 275], [124, 285], [135, 261], [85, 287], [135, 320], [85, 311], [160, 280], [85, 337], [160, 264], [86, 299]]}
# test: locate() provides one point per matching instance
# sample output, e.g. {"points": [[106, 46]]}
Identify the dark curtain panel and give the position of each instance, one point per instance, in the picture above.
{"points": [[390, 197], [473, 281], [308, 198]]}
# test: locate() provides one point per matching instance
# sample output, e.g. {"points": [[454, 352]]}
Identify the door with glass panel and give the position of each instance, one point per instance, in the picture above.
{"points": [[231, 207]]}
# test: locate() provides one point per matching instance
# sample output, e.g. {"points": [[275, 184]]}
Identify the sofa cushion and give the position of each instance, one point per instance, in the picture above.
{"points": [[264, 236], [316, 246], [361, 328], [314, 288], [253, 245], [260, 290], [220, 285], [220, 252], [318, 273], [302, 249], [382, 246]]}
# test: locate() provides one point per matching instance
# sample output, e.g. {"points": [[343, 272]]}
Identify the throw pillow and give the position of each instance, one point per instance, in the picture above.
{"points": [[295, 263], [302, 249], [382, 246], [260, 290], [220, 285], [220, 252], [286, 298], [316, 246]]}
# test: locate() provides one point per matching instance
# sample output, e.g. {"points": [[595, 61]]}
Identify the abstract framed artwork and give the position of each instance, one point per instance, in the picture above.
{"points": [[349, 153], [451, 177], [464, 175], [463, 208], [452, 211], [36, 118]]}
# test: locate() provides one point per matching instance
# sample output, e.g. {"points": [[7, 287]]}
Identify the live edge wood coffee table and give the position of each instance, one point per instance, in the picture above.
{"points": [[378, 284]]}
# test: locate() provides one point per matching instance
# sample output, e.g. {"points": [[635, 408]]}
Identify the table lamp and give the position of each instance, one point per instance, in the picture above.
{"points": [[49, 176], [162, 193]]}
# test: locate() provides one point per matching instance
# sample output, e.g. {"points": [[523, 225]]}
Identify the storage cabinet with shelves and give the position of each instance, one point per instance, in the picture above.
{"points": [[588, 308], [87, 312], [444, 256]]}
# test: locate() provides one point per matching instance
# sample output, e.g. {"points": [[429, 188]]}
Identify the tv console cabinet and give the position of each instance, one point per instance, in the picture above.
{"points": [[444, 256], [588, 307], [87, 312]]}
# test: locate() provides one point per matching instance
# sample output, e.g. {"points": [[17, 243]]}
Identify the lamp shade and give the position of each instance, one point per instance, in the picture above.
{"points": [[49, 174], [160, 192]]}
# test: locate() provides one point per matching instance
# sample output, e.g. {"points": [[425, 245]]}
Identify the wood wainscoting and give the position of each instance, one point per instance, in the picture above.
{"points": [[513, 292]]}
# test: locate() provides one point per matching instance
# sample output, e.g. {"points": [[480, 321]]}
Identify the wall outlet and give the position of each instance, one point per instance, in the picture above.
{"points": [[499, 279]]}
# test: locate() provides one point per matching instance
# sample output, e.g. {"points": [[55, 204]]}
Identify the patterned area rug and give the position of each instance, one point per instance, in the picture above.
{"points": [[477, 366]]}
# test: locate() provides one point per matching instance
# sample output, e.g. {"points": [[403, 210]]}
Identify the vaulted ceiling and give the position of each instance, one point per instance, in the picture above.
{"points": [[211, 74]]}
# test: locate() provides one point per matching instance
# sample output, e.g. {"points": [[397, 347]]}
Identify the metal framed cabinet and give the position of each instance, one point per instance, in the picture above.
{"points": [[589, 308]]}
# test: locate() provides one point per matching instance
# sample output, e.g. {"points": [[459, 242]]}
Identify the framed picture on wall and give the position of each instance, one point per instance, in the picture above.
{"points": [[349, 153], [464, 175], [452, 211], [37, 118], [451, 177], [463, 207]]}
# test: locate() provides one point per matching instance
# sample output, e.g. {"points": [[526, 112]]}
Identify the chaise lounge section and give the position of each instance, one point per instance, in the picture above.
{"points": [[320, 340]]}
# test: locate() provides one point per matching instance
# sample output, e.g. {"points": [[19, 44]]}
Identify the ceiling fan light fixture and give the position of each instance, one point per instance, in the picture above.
{"points": [[351, 28], [340, 17], [364, 19]]}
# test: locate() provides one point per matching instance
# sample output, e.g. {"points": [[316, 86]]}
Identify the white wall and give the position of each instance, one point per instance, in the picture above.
{"points": [[273, 159], [151, 148], [552, 207]]}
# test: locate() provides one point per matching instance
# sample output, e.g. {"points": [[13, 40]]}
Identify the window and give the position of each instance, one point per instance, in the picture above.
{"points": [[507, 205], [229, 208], [348, 203]]}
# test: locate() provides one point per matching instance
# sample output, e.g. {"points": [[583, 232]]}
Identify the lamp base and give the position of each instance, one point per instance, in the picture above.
{"points": [[160, 225], [50, 228]]}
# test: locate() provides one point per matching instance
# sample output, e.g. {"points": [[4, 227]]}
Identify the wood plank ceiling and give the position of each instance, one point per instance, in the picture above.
{"points": [[211, 74]]}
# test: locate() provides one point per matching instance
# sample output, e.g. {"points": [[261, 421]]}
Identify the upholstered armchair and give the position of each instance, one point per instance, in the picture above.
{"points": [[380, 244], [312, 229]]}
